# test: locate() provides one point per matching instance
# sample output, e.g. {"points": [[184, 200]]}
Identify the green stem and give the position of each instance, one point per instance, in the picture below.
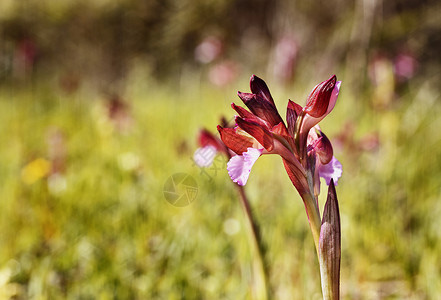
{"points": [[314, 218], [328, 290], [261, 285]]}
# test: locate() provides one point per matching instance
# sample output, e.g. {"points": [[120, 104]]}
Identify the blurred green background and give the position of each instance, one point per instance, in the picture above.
{"points": [[101, 102]]}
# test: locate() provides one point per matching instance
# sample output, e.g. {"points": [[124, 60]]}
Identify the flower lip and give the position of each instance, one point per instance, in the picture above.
{"points": [[239, 166], [320, 97], [332, 170]]}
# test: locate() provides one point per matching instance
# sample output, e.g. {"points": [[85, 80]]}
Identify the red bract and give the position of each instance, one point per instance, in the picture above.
{"points": [[302, 146]]}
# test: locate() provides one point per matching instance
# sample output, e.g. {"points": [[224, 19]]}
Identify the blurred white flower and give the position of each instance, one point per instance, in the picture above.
{"points": [[231, 226], [128, 161]]}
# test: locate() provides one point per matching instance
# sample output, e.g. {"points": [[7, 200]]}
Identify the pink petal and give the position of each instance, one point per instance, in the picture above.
{"points": [[333, 170], [204, 156], [239, 166]]}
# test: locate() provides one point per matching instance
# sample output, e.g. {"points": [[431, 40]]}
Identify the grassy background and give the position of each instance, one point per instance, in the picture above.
{"points": [[102, 228]]}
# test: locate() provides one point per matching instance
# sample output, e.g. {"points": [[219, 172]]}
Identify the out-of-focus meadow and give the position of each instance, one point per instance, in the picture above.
{"points": [[101, 102]]}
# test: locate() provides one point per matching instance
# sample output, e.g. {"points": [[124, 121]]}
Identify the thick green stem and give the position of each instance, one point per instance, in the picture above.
{"points": [[261, 285], [313, 218]]}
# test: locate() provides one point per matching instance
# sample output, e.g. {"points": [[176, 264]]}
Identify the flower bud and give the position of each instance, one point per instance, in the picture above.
{"points": [[318, 101], [259, 87], [330, 246], [323, 147]]}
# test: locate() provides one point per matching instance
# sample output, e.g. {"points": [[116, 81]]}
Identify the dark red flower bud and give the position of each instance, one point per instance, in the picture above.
{"points": [[265, 110], [318, 101], [259, 87]]}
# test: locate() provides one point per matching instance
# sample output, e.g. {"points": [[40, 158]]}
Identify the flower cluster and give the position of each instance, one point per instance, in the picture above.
{"points": [[306, 151]]}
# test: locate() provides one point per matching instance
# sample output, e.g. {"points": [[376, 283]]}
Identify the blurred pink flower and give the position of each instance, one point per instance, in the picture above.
{"points": [[119, 113], [223, 73], [405, 66], [285, 57], [208, 50], [25, 55], [209, 146]]}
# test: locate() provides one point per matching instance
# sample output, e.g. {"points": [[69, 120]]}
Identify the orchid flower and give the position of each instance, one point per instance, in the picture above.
{"points": [[307, 155], [300, 143]]}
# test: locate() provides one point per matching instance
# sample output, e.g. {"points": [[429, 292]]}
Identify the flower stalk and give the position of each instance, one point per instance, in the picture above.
{"points": [[258, 250], [313, 218]]}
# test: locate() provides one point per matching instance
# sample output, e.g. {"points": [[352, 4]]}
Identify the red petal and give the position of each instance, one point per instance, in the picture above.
{"points": [[245, 114], [236, 142], [318, 100], [259, 132], [259, 87], [297, 177], [280, 129], [242, 111], [261, 108], [292, 112]]}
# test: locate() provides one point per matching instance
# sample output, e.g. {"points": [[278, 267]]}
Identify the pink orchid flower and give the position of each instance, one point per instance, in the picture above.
{"points": [[302, 146], [307, 155]]}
